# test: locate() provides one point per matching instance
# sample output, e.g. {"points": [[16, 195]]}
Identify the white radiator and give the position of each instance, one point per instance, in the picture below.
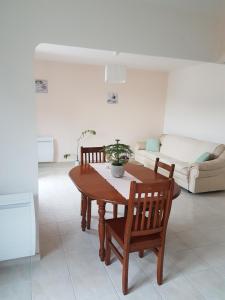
{"points": [[45, 149], [17, 226]]}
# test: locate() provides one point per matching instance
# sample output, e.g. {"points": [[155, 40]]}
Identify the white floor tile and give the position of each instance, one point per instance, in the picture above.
{"points": [[47, 230], [174, 243], [89, 275], [140, 284], [187, 261], [209, 283], [16, 291], [194, 238], [214, 254], [50, 274], [178, 289], [148, 265], [56, 287], [17, 271], [70, 227]]}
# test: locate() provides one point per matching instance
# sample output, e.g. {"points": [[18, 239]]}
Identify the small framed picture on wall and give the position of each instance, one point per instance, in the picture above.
{"points": [[112, 98], [41, 86]]}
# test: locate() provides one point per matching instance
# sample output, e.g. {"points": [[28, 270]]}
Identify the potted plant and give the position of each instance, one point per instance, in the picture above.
{"points": [[118, 154], [83, 134]]}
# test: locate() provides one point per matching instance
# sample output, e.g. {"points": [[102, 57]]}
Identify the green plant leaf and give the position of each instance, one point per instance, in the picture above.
{"points": [[118, 154]]}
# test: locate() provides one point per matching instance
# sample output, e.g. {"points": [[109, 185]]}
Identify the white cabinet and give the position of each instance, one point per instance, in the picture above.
{"points": [[17, 226]]}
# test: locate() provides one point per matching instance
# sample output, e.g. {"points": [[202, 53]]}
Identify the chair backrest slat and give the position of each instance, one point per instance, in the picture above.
{"points": [[138, 206], [92, 155], [152, 203], [149, 216], [169, 168], [155, 212], [160, 212], [143, 219]]}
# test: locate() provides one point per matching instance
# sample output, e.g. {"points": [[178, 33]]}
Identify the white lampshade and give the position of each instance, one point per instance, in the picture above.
{"points": [[115, 74]]}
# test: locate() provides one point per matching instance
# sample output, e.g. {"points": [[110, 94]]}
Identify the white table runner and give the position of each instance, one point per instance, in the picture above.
{"points": [[122, 185]]}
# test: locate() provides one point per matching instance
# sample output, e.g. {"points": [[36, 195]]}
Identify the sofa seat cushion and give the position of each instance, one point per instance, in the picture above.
{"points": [[149, 154], [180, 166]]}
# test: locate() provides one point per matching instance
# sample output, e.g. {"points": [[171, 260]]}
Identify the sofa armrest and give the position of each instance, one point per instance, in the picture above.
{"points": [[208, 168], [215, 164], [140, 146]]}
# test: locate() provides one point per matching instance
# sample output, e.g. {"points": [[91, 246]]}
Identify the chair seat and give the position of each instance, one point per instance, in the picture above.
{"points": [[117, 227]]}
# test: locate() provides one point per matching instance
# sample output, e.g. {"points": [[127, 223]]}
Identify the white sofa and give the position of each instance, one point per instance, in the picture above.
{"points": [[183, 152]]}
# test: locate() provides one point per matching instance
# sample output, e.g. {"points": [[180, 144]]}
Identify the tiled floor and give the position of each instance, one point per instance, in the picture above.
{"points": [[70, 269]]}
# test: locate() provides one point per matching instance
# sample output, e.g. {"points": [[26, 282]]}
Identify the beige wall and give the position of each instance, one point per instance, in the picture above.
{"points": [[77, 101]]}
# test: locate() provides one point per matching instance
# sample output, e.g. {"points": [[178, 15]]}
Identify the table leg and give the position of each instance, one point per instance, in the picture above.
{"points": [[101, 229], [84, 212]]}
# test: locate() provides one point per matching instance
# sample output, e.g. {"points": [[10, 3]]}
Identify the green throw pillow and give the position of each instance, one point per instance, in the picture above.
{"points": [[153, 145], [203, 157]]}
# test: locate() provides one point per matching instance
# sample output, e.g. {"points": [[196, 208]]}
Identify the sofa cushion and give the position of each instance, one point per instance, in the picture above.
{"points": [[203, 157], [153, 145], [219, 150], [183, 148]]}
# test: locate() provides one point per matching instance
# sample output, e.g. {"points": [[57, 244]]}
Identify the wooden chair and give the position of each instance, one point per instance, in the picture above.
{"points": [[158, 164], [169, 168], [92, 155], [144, 227]]}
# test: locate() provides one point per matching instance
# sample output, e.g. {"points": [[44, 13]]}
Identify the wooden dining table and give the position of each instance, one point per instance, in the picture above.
{"points": [[91, 184]]}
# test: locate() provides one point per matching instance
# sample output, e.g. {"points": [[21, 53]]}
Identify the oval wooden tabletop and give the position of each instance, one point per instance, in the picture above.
{"points": [[93, 185]]}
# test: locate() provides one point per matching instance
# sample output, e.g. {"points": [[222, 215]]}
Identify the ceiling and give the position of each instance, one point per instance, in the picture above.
{"points": [[206, 7], [68, 54]]}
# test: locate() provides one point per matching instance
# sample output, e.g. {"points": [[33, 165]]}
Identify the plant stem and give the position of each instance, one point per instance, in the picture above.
{"points": [[117, 146]]}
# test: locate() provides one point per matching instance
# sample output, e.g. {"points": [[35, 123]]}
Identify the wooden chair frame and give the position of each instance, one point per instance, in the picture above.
{"points": [[169, 168], [92, 155], [144, 228]]}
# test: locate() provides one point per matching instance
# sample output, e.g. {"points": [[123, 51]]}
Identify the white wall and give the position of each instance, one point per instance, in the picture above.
{"points": [[195, 104], [18, 168], [77, 101]]}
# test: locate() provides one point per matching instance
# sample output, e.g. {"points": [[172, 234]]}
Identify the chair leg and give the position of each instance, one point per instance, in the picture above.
{"points": [[108, 248], [160, 260], [81, 206], [125, 273], [84, 212], [141, 253], [89, 214], [115, 210]]}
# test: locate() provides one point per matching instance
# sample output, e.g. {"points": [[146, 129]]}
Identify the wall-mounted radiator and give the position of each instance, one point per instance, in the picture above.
{"points": [[45, 149]]}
